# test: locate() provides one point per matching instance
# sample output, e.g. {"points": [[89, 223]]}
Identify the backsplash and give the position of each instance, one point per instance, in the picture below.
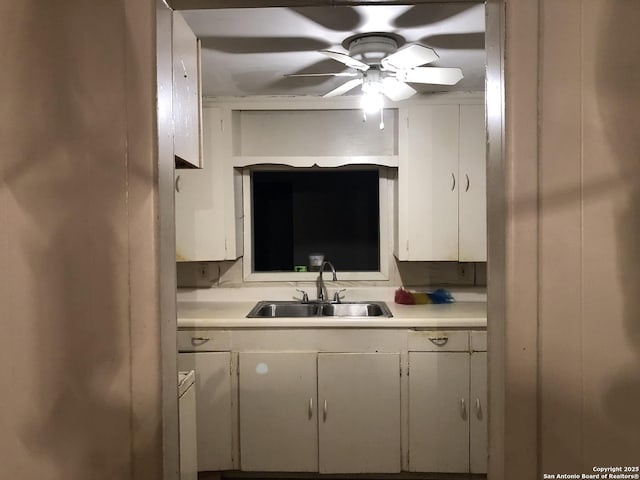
{"points": [[408, 274]]}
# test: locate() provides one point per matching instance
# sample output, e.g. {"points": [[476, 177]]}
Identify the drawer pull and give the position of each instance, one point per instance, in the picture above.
{"points": [[439, 341], [200, 339]]}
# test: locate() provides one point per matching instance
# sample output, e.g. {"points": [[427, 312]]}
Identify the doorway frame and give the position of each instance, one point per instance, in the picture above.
{"points": [[497, 178]]}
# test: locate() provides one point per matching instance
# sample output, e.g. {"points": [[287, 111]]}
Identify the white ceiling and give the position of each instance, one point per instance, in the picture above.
{"points": [[247, 52]]}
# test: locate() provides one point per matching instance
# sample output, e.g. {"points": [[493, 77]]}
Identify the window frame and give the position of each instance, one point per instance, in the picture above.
{"points": [[386, 201]]}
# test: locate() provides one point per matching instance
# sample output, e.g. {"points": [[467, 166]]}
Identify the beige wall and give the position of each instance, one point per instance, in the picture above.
{"points": [[572, 323], [79, 311], [78, 290]]}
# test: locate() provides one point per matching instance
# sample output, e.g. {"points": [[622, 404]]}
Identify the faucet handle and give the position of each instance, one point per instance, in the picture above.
{"points": [[337, 297], [305, 295]]}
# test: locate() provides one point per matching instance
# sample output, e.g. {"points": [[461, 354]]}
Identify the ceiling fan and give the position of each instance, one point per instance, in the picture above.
{"points": [[382, 68]]}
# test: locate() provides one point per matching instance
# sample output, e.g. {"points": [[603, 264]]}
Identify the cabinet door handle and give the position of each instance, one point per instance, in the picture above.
{"points": [[478, 409], [311, 408], [467, 182], [463, 408], [324, 410], [453, 182], [439, 341], [200, 339], [178, 183]]}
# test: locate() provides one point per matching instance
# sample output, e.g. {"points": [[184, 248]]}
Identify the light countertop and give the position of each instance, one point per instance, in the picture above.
{"points": [[209, 310]]}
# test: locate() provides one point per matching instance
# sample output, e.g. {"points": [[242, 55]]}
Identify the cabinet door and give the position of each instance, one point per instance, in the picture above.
{"points": [[473, 202], [359, 418], [438, 412], [478, 414], [199, 201], [278, 422], [188, 435], [431, 183], [213, 407], [186, 92]]}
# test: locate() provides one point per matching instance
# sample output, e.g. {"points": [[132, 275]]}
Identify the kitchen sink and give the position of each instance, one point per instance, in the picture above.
{"points": [[278, 309]]}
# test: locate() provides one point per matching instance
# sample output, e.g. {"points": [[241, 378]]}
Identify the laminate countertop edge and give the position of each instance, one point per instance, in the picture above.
{"points": [[199, 314]]}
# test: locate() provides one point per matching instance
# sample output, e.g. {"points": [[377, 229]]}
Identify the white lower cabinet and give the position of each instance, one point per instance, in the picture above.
{"points": [[447, 418], [478, 417], [326, 412], [336, 405], [213, 407], [438, 412], [278, 414], [359, 400]]}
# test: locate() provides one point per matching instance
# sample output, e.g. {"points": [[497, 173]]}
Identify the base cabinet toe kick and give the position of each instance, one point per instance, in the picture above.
{"points": [[356, 401]]}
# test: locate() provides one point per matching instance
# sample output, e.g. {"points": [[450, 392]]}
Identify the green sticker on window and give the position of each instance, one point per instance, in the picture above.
{"points": [[300, 268]]}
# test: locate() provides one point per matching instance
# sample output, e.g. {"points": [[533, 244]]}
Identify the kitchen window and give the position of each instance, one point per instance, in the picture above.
{"points": [[293, 213]]}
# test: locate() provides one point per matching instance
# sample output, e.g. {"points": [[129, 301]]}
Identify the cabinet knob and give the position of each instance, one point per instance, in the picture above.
{"points": [[178, 183], [324, 410], [453, 182], [311, 408], [467, 182], [463, 408]]}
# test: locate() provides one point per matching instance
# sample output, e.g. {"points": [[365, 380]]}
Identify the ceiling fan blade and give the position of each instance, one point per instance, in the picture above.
{"points": [[346, 59], [396, 90], [339, 74], [344, 88], [409, 57], [433, 75]]}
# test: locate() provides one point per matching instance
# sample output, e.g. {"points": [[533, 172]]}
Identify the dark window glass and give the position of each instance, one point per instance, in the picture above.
{"points": [[333, 212]]}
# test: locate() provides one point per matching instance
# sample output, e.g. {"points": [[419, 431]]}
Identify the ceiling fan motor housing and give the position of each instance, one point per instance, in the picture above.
{"points": [[371, 49]]}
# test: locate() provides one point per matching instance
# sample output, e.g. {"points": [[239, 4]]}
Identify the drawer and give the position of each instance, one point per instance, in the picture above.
{"points": [[478, 341], [438, 341], [204, 340]]}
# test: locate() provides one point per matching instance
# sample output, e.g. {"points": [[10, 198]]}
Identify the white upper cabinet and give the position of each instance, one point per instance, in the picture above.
{"points": [[206, 199], [441, 184], [428, 184], [472, 206], [186, 94]]}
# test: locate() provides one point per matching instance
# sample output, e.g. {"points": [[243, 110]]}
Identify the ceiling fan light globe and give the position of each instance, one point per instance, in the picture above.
{"points": [[371, 102]]}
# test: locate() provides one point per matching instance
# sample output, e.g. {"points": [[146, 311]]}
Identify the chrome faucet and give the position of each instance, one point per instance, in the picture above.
{"points": [[322, 289]]}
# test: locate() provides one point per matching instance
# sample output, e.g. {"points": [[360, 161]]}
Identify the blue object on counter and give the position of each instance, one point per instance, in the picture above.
{"points": [[441, 295]]}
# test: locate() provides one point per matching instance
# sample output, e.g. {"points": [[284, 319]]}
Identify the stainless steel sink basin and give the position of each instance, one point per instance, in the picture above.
{"points": [[368, 309], [279, 309]]}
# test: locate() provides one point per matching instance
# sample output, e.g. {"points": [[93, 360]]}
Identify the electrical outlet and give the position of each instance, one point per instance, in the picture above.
{"points": [[203, 272], [466, 272]]}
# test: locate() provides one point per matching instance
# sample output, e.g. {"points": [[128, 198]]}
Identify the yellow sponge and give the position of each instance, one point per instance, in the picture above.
{"points": [[420, 298]]}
